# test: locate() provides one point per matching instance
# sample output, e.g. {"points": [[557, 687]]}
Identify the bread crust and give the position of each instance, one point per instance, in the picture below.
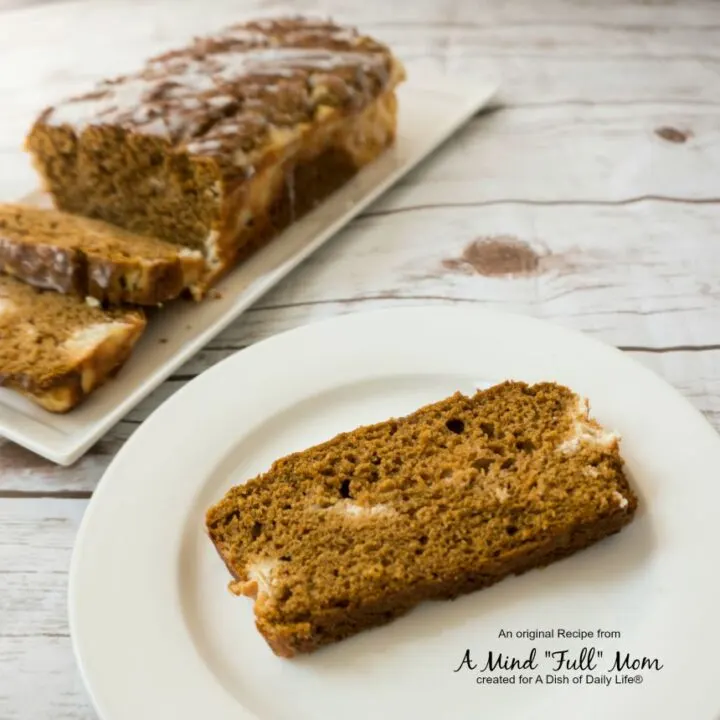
{"points": [[72, 255]]}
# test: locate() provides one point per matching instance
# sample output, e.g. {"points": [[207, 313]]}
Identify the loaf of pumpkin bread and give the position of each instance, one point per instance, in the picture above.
{"points": [[355, 532], [220, 145]]}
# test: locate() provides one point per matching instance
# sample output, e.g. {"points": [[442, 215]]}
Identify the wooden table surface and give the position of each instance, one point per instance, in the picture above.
{"points": [[588, 195]]}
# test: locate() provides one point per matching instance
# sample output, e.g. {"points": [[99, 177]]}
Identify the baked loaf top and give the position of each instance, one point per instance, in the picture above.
{"points": [[243, 95], [222, 144], [356, 531], [71, 254], [56, 349]]}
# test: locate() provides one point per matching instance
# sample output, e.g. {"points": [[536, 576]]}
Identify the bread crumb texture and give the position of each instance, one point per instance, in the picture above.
{"points": [[354, 532], [56, 349], [53, 250]]}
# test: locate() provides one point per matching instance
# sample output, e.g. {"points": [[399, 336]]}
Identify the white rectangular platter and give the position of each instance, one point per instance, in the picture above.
{"points": [[429, 115]]}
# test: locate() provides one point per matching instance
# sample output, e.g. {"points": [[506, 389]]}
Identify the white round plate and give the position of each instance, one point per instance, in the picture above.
{"points": [[158, 635]]}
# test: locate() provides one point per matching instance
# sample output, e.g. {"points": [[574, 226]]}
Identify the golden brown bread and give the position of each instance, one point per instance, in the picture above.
{"points": [[215, 148], [54, 250], [56, 349], [354, 532], [222, 144]]}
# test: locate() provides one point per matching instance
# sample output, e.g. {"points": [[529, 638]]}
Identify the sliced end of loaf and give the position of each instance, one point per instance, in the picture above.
{"points": [[57, 349], [54, 250]]}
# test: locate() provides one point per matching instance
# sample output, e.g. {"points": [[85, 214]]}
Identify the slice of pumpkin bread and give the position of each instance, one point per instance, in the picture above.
{"points": [[354, 532], [57, 251], [56, 349]]}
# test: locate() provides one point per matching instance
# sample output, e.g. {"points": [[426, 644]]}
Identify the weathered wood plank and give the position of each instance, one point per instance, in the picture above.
{"points": [[572, 59], [620, 274], [572, 154], [6, 5], [39, 678]]}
